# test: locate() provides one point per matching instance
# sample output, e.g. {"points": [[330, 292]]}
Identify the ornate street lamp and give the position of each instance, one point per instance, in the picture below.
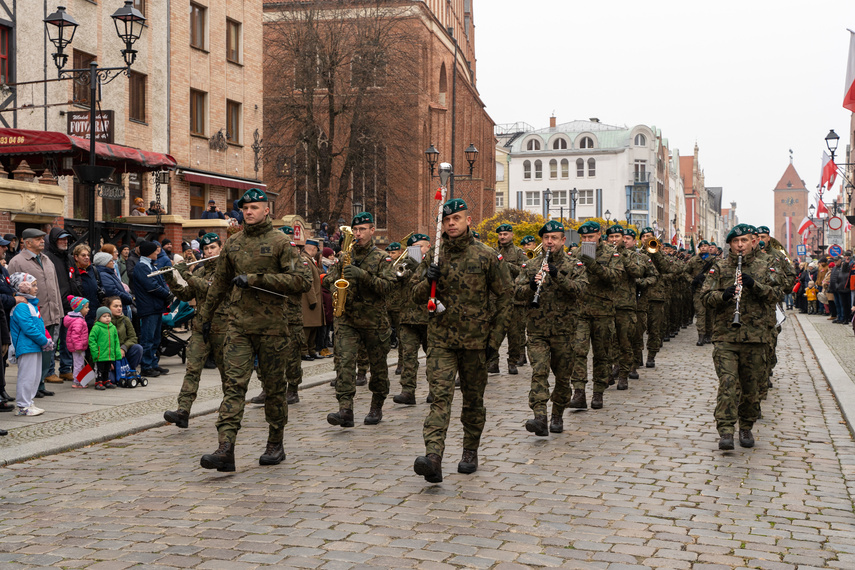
{"points": [[831, 141], [60, 28], [547, 198], [471, 156], [608, 216], [432, 156], [129, 24], [357, 208]]}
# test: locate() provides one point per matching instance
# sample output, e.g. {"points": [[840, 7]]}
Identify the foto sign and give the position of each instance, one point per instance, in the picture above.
{"points": [[78, 125]]}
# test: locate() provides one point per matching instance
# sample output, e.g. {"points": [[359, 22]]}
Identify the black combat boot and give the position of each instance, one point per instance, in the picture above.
{"points": [[746, 438], [292, 396], [512, 368], [493, 367], [651, 360], [578, 400], [429, 467], [622, 384], [399, 369], [343, 418], [556, 425], [597, 401], [700, 340], [469, 462], [375, 414], [725, 442], [522, 361], [179, 417], [429, 399], [274, 454], [707, 339], [633, 374], [537, 426], [666, 338], [407, 398], [361, 380], [258, 399], [223, 459]]}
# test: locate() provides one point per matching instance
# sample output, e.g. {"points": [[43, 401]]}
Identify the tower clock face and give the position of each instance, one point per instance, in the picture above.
{"points": [[790, 201]]}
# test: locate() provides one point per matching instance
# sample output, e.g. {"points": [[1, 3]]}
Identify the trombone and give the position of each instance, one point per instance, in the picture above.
{"points": [[652, 246], [532, 253], [171, 268]]}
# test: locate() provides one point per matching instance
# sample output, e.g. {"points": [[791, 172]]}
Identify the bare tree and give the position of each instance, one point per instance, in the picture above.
{"points": [[339, 76]]}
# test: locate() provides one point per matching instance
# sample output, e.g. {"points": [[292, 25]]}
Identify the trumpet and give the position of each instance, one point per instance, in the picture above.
{"points": [[171, 268], [402, 257], [532, 253], [652, 246], [339, 296]]}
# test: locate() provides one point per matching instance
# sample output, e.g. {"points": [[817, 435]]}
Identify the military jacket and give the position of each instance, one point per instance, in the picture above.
{"points": [[365, 307], [755, 305], [650, 284], [625, 292], [198, 283], [559, 296], [270, 261], [515, 257], [604, 273], [469, 272], [412, 313], [395, 299]]}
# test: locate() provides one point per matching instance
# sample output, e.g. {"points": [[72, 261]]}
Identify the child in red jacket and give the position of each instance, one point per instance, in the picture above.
{"points": [[77, 335]]}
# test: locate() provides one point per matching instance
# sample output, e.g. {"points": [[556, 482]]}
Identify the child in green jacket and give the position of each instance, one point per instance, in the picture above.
{"points": [[104, 346]]}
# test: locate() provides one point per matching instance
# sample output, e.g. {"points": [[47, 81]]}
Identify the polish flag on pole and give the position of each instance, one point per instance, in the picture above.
{"points": [[849, 88], [804, 228], [846, 226], [829, 172], [821, 208]]}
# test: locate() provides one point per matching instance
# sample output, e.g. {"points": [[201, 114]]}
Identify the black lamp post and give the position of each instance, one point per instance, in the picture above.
{"points": [[432, 157], [626, 216], [547, 199], [608, 217], [60, 28], [357, 208], [831, 141], [574, 196], [820, 228]]}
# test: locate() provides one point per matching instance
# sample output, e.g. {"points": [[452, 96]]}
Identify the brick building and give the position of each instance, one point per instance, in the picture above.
{"points": [[791, 207]]}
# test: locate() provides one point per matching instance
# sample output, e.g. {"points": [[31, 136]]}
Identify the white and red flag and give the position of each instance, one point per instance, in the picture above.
{"points": [[804, 228], [829, 172], [849, 87], [846, 225], [821, 208]]}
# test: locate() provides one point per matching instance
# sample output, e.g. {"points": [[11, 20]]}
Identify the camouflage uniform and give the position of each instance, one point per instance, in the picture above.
{"points": [[649, 286], [296, 340], [414, 325], [784, 277], [551, 328], [625, 307], [696, 270], [198, 350], [513, 324], [395, 303], [458, 337], [258, 321], [740, 354], [365, 320]]}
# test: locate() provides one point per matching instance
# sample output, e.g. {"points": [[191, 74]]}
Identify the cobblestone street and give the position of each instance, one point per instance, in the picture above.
{"points": [[638, 484]]}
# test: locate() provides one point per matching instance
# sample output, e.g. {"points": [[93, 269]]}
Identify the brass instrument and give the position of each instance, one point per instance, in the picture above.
{"points": [[652, 246], [532, 253], [735, 323], [339, 296], [403, 255], [171, 268]]}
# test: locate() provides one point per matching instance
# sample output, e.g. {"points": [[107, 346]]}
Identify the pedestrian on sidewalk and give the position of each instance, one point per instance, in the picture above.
{"points": [[8, 300], [152, 297], [811, 298], [131, 350], [30, 338], [104, 346], [76, 335]]}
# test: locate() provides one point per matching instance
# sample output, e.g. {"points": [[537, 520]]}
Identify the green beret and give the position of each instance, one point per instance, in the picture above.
{"points": [[527, 239], [703, 242], [589, 227], [287, 230], [754, 230], [208, 239], [739, 230], [417, 237], [476, 235], [647, 230], [615, 229], [252, 195], [505, 228], [712, 243], [362, 218], [574, 244], [763, 229], [454, 206], [762, 244], [394, 246], [551, 226], [629, 232]]}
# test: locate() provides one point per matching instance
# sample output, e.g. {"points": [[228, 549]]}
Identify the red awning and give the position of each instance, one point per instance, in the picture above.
{"points": [[226, 181], [39, 144]]}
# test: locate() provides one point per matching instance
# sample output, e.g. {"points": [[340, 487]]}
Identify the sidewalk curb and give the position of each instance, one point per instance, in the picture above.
{"points": [[835, 375]]}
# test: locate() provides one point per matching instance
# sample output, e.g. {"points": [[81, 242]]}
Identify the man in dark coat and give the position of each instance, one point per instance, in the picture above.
{"points": [[57, 251]]}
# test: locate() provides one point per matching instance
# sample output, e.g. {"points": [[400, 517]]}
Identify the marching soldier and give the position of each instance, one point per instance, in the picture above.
{"points": [[198, 349], [596, 315], [256, 258], [513, 325], [625, 305], [696, 269], [551, 325], [654, 295], [739, 355], [365, 319], [395, 302], [414, 323], [528, 243], [468, 271], [648, 278]]}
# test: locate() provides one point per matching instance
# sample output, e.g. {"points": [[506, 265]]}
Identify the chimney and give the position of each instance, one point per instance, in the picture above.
{"points": [[552, 122], [594, 120]]}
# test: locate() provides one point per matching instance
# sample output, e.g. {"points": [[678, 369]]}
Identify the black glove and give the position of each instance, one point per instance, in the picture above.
{"points": [[241, 282], [747, 280], [312, 306], [729, 293], [206, 331], [532, 283], [553, 271], [698, 282], [353, 273], [432, 272]]}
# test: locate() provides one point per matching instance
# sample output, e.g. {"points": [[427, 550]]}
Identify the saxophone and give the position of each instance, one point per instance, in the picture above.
{"points": [[339, 296]]}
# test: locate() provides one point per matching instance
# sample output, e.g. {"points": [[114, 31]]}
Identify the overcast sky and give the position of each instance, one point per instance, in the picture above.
{"points": [[747, 80]]}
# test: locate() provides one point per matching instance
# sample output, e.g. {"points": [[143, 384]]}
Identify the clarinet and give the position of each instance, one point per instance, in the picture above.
{"points": [[544, 267], [735, 323]]}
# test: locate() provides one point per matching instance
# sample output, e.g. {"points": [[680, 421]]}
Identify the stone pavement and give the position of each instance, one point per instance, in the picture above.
{"points": [[638, 484]]}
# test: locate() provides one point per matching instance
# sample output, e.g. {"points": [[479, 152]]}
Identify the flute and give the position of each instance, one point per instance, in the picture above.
{"points": [[171, 268]]}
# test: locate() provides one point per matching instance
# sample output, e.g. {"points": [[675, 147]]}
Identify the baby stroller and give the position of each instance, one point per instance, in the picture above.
{"points": [[180, 313]]}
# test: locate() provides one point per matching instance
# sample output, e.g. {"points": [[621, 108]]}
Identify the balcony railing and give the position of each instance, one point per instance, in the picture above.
{"points": [[641, 177]]}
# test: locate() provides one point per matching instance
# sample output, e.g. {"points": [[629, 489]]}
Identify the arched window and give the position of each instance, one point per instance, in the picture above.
{"points": [[527, 170], [587, 142], [533, 144], [553, 169], [538, 169], [443, 85], [559, 144], [640, 140], [592, 167], [580, 168], [565, 168]]}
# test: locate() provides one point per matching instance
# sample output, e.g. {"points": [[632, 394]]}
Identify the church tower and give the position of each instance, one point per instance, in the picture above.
{"points": [[791, 207]]}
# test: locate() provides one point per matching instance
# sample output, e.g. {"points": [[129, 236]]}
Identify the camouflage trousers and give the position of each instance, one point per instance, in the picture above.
{"points": [[197, 354], [512, 326], [361, 355], [740, 367], [395, 319], [293, 354], [622, 355], [700, 315], [595, 333], [443, 364], [550, 353], [411, 337], [655, 326], [637, 340], [239, 354], [347, 344], [771, 361]]}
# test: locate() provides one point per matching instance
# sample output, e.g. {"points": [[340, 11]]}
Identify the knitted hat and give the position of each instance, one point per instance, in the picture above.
{"points": [[328, 252], [76, 303], [102, 258], [101, 312], [147, 248], [21, 282]]}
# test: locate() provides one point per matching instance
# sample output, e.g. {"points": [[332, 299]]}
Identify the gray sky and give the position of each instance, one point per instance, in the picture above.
{"points": [[747, 80]]}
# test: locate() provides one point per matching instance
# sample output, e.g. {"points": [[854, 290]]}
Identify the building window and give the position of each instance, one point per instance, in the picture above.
{"points": [[586, 197], [580, 168], [500, 200], [443, 85], [500, 172], [198, 25], [197, 201], [4, 54], [136, 100], [533, 144], [81, 91], [532, 198], [638, 198], [233, 122], [538, 170], [553, 169], [233, 41], [640, 170], [135, 188], [587, 142], [592, 167], [140, 5], [366, 72], [565, 168], [527, 170], [640, 140], [559, 198], [559, 144], [198, 112]]}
